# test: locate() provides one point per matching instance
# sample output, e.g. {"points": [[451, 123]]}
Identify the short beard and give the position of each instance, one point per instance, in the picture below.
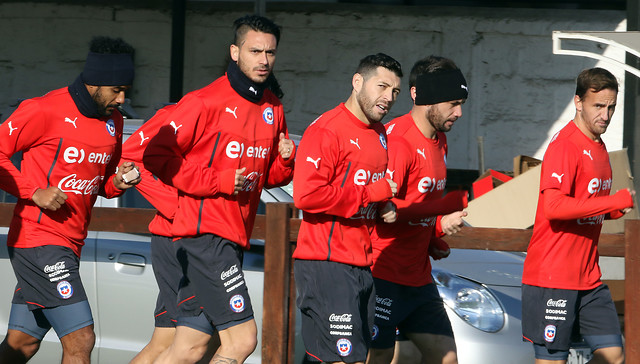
{"points": [[366, 107], [102, 110]]}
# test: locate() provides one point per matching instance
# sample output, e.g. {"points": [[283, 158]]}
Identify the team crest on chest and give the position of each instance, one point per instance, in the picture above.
{"points": [[383, 141], [111, 127], [267, 115]]}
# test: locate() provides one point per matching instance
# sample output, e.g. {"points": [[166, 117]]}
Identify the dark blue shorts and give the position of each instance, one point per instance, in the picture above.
{"points": [[553, 318], [410, 310], [49, 293], [168, 273], [48, 276], [212, 283], [337, 303]]}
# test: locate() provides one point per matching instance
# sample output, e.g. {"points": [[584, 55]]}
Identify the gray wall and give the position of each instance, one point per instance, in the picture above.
{"points": [[520, 93]]}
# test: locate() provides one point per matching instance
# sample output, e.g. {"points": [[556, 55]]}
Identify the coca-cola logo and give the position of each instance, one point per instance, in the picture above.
{"points": [[73, 184], [386, 301], [228, 273], [251, 181], [345, 317], [53, 268], [556, 303]]}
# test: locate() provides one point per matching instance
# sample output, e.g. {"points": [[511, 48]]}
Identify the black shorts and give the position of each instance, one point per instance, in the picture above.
{"points": [[48, 276], [212, 282], [168, 273], [337, 303], [410, 310], [556, 317]]}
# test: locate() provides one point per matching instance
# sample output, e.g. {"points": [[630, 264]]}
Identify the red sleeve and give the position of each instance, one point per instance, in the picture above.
{"points": [[163, 197], [559, 206], [453, 201], [21, 130], [281, 170], [164, 155], [317, 187], [108, 189]]}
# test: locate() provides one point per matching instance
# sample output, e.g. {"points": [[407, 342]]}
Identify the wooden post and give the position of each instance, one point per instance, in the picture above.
{"points": [[277, 276], [631, 298]]}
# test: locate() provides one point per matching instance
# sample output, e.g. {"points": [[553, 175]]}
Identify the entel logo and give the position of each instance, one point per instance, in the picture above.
{"points": [[362, 177], [428, 184], [228, 273], [596, 185], [75, 155], [236, 150], [345, 317], [53, 268]]}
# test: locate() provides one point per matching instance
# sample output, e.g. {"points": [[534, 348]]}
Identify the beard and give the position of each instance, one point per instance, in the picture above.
{"points": [[101, 104], [368, 107], [438, 121]]}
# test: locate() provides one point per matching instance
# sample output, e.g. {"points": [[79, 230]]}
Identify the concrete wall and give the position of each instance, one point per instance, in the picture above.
{"points": [[520, 93]]}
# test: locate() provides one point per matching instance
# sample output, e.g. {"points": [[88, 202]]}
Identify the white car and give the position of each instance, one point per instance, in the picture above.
{"points": [[481, 290]]}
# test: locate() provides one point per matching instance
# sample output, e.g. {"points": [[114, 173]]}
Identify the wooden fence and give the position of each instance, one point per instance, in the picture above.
{"points": [[280, 229]]}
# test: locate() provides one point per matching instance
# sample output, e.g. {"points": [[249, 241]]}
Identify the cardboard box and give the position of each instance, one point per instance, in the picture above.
{"points": [[523, 163], [513, 204], [488, 181], [509, 205]]}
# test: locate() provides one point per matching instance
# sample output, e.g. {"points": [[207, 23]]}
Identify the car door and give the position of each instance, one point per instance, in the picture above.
{"points": [[126, 293]]}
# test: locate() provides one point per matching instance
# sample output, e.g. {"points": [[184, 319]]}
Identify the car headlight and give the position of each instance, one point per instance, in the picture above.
{"points": [[474, 303]]}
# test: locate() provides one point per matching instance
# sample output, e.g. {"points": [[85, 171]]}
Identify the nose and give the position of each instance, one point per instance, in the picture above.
{"points": [[120, 97], [457, 111], [264, 59]]}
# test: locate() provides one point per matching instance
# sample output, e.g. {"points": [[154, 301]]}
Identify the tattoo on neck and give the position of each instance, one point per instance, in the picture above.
{"points": [[219, 359]]}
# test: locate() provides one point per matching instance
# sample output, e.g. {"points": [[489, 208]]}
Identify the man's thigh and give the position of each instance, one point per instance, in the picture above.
{"points": [[337, 304]]}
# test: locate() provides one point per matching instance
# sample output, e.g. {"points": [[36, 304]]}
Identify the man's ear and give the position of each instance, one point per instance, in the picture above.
{"points": [[357, 82], [577, 101], [234, 50]]}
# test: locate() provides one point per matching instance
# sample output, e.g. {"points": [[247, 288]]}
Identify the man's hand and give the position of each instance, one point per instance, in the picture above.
{"points": [[125, 169], [388, 212], [51, 198], [628, 209], [239, 180], [438, 248], [394, 186], [452, 223], [285, 147]]}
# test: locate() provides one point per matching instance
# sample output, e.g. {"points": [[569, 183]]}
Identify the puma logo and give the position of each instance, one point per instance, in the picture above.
{"points": [[559, 177], [11, 128], [142, 137], [464, 87], [175, 128], [390, 173], [390, 128], [67, 120], [355, 143], [233, 112], [584, 151], [421, 152], [315, 162], [255, 92]]}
